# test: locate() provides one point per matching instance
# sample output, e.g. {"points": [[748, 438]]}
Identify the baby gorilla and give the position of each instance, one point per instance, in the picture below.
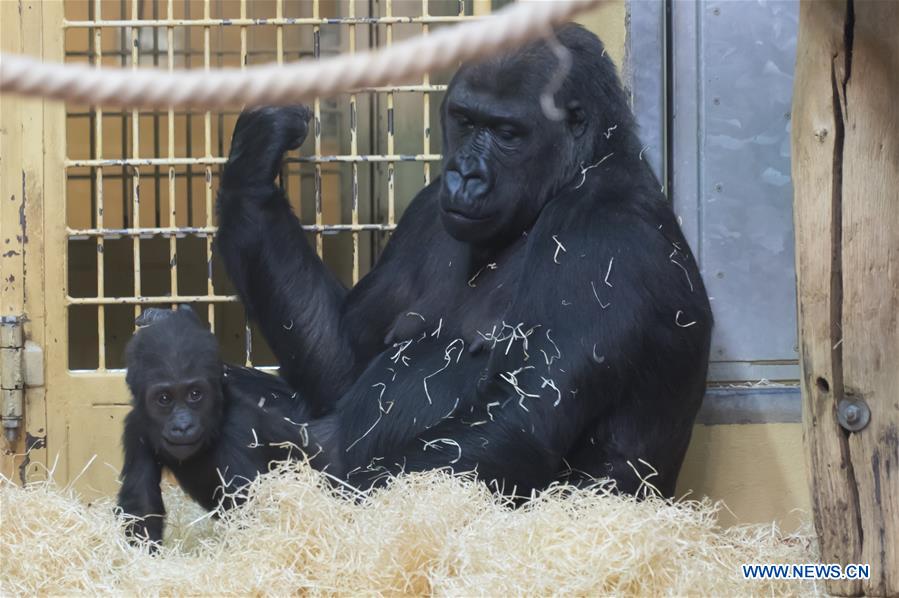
{"points": [[214, 426]]}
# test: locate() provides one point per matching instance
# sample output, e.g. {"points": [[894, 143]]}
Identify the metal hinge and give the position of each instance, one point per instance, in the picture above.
{"points": [[21, 365]]}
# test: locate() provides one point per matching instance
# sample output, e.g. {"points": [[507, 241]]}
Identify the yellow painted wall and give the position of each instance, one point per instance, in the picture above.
{"points": [[758, 470], [607, 21]]}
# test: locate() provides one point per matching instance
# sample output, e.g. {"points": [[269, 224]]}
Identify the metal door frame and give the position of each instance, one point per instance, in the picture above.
{"points": [[33, 140]]}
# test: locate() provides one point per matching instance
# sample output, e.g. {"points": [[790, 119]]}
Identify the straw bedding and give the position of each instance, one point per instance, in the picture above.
{"points": [[424, 534]]}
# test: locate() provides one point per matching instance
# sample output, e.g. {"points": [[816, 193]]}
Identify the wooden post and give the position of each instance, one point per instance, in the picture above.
{"points": [[845, 143]]}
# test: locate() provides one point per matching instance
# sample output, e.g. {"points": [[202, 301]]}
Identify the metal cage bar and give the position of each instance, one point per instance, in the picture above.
{"points": [[207, 147], [210, 160], [98, 154], [354, 150], [277, 21], [391, 166], [426, 105], [171, 157], [135, 152], [317, 134], [248, 334], [170, 129]]}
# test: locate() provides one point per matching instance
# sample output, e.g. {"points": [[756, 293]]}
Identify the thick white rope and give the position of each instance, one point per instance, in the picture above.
{"points": [[401, 63]]}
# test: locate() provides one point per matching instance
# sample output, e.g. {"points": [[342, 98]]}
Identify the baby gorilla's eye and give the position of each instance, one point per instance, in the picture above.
{"points": [[195, 395], [164, 398]]}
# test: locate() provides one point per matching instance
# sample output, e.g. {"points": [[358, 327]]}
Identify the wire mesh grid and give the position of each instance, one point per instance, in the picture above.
{"points": [[140, 185]]}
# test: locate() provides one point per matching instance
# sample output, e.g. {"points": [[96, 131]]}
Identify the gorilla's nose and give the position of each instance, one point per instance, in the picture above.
{"points": [[476, 187], [454, 182], [468, 182], [183, 430]]}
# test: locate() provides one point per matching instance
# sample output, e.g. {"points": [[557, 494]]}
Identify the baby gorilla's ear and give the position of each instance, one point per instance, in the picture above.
{"points": [[152, 315], [186, 309]]}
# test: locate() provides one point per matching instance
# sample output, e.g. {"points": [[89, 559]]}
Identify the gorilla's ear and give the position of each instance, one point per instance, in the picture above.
{"points": [[576, 118]]}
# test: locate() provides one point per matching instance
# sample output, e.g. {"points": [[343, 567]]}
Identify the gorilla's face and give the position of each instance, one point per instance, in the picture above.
{"points": [[174, 374], [503, 158], [182, 415]]}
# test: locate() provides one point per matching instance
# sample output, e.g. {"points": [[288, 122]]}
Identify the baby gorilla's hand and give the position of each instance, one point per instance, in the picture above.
{"points": [[145, 531]]}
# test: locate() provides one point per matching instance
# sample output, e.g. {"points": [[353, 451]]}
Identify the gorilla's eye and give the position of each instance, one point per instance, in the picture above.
{"points": [[195, 395], [164, 398], [507, 133]]}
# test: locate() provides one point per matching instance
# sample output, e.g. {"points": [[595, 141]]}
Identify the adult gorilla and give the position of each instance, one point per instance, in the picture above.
{"points": [[537, 314]]}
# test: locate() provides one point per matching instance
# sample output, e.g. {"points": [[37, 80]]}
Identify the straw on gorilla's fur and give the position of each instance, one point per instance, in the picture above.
{"points": [[425, 534]]}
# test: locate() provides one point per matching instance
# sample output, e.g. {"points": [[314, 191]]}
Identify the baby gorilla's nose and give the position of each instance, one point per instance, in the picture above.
{"points": [[183, 430]]}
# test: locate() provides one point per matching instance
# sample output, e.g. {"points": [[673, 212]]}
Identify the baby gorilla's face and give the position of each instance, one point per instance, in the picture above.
{"points": [[183, 414], [174, 373]]}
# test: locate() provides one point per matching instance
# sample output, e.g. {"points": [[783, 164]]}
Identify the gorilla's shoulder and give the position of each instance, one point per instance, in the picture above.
{"points": [[420, 220], [624, 215], [419, 244], [425, 202]]}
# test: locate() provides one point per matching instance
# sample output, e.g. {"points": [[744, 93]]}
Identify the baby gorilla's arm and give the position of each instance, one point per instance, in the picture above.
{"points": [[140, 496]]}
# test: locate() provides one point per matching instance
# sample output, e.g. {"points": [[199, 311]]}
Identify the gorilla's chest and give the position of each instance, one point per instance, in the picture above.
{"points": [[467, 302], [436, 355]]}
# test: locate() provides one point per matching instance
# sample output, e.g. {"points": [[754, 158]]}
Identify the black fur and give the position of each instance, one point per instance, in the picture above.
{"points": [[537, 314], [232, 425]]}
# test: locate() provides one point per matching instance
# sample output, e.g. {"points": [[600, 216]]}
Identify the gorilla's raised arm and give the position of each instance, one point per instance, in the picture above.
{"points": [[285, 286]]}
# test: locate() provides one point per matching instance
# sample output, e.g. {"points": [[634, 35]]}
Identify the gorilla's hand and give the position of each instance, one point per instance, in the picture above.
{"points": [[261, 137], [278, 127], [145, 531]]}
